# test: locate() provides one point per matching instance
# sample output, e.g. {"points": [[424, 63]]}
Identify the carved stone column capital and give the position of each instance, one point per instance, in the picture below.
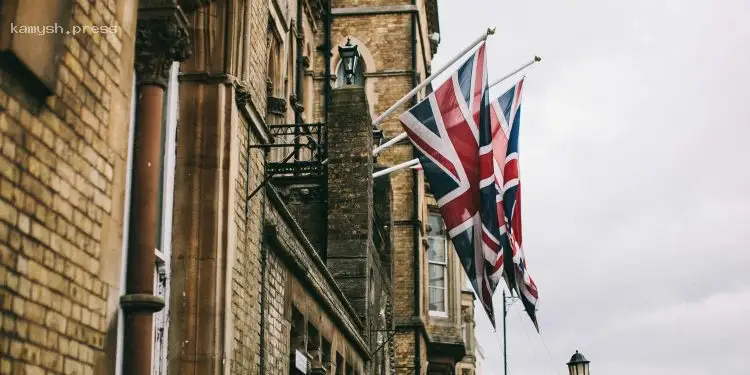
{"points": [[161, 39]]}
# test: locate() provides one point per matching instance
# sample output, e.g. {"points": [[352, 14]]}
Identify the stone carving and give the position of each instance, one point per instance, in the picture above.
{"points": [[242, 93], [296, 104], [269, 86], [159, 42], [276, 105]]}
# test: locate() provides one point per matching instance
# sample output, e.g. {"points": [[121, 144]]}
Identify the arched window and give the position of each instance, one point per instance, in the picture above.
{"points": [[359, 74]]}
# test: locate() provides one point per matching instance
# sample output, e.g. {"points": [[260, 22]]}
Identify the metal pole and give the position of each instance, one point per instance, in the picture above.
{"points": [[396, 167], [403, 135], [390, 143], [429, 79], [505, 338], [268, 177], [524, 66]]}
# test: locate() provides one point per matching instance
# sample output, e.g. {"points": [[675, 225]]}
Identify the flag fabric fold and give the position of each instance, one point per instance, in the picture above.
{"points": [[506, 119], [451, 132]]}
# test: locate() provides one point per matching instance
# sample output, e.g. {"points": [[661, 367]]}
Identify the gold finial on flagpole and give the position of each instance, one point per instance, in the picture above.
{"points": [[490, 30], [537, 58]]}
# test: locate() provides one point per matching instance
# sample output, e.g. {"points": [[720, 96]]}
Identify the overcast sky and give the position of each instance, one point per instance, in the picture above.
{"points": [[634, 162]]}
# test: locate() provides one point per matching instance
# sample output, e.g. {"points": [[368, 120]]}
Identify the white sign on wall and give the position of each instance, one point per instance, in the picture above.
{"points": [[300, 361]]}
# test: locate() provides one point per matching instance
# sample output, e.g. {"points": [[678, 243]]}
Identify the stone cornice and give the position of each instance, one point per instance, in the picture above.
{"points": [[373, 10]]}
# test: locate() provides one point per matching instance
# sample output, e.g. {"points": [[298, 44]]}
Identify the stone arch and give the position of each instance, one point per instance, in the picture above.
{"points": [[368, 61]]}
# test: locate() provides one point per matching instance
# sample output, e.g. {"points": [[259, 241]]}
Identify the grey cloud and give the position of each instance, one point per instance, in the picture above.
{"points": [[634, 162]]}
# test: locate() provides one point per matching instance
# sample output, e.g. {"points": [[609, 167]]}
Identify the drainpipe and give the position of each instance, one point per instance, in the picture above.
{"points": [[326, 103], [298, 85], [160, 40], [415, 202], [327, 58]]}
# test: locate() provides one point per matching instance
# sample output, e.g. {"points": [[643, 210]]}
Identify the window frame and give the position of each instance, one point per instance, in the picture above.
{"points": [[444, 264], [163, 265]]}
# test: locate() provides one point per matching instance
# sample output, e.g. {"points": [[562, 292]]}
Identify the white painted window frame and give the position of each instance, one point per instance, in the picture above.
{"points": [[163, 266], [125, 230], [444, 264]]}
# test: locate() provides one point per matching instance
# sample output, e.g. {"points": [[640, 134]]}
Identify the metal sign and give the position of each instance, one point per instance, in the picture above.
{"points": [[300, 361]]}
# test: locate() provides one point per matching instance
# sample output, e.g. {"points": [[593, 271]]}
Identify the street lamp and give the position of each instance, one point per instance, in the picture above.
{"points": [[349, 56], [578, 364]]}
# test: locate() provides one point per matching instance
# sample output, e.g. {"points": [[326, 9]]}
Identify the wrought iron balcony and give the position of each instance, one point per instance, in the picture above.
{"points": [[299, 150]]}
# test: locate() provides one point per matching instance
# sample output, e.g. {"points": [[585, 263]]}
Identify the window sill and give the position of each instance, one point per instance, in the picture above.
{"points": [[438, 314]]}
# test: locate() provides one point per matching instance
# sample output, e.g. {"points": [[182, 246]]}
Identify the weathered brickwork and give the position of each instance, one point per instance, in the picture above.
{"points": [[386, 39], [278, 325], [62, 182], [246, 276], [362, 3], [310, 289], [468, 363]]}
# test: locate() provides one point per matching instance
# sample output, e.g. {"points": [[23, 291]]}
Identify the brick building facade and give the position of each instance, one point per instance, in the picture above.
{"points": [[137, 231]]}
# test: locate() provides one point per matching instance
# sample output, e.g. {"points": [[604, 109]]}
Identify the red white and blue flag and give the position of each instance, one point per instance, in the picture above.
{"points": [[451, 131], [506, 119]]}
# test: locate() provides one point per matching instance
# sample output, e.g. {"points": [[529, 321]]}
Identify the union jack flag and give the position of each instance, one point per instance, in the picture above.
{"points": [[506, 119], [450, 129]]}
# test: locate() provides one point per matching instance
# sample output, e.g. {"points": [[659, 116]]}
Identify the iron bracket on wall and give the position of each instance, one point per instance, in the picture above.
{"points": [[391, 335], [307, 164]]}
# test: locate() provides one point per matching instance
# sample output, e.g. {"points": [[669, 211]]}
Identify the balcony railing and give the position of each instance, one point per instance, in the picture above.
{"points": [[299, 150]]}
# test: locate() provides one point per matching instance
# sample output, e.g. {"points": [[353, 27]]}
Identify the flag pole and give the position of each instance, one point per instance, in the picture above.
{"points": [[396, 167], [403, 135], [505, 336], [390, 143], [524, 66], [400, 102]]}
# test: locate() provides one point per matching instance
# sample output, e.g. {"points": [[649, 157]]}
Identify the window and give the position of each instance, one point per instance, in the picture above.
{"points": [[339, 364], [437, 266], [274, 81], [162, 267], [465, 332]]}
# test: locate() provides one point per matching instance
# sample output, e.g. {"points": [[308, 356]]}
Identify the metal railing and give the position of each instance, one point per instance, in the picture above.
{"points": [[305, 142]]}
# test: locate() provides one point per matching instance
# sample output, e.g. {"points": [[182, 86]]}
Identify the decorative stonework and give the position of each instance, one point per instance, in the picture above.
{"points": [[296, 104], [276, 105], [269, 86], [160, 41], [242, 93]]}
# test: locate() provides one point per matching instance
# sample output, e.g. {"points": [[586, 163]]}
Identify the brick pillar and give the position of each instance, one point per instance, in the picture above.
{"points": [[350, 189]]}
